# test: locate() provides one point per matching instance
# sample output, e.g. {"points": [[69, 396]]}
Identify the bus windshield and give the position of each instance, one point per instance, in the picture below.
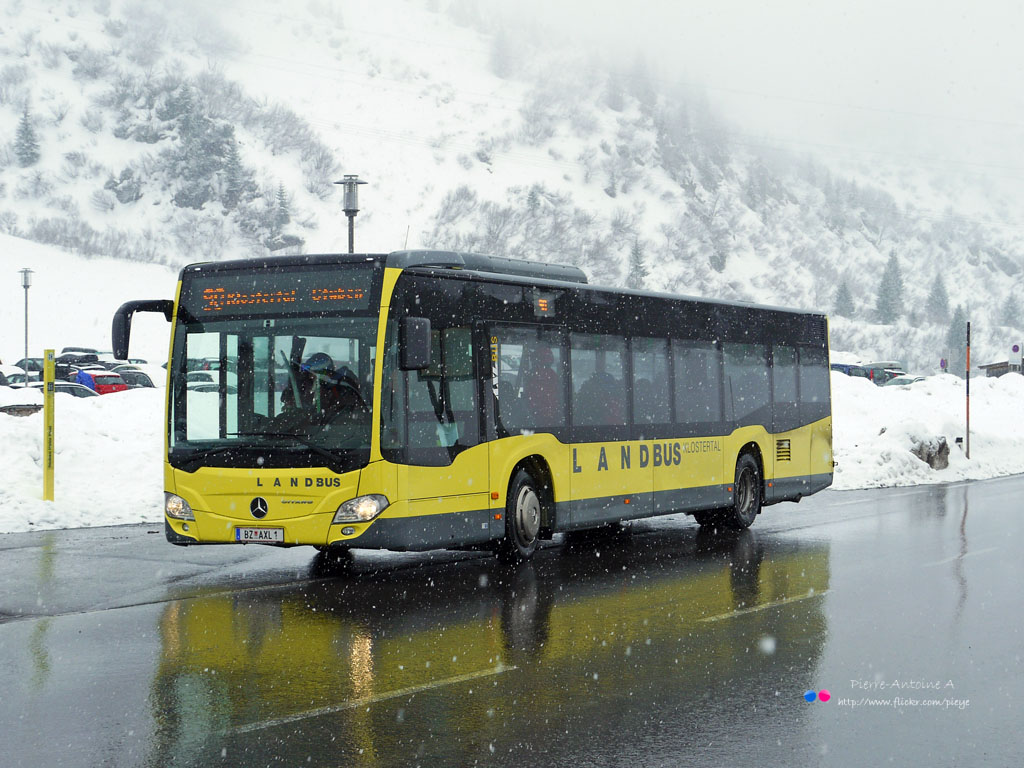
{"points": [[272, 391]]}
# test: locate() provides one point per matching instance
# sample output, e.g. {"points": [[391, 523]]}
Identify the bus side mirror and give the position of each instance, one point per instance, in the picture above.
{"points": [[122, 326], [414, 344]]}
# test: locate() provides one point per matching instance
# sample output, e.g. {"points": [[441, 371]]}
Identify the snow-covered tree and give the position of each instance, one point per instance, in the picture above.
{"points": [[614, 94], [956, 342], [26, 146], [282, 210], [502, 53], [1010, 312], [937, 304], [844, 300], [890, 292], [637, 276], [238, 182]]}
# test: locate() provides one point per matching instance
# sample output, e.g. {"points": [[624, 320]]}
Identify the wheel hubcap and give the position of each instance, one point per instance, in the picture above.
{"points": [[527, 515]]}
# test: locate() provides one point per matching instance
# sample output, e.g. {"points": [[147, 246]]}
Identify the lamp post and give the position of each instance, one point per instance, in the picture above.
{"points": [[351, 183], [26, 283]]}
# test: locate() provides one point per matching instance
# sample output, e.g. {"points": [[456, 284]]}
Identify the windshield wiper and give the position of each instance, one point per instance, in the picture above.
{"points": [[334, 460], [189, 459]]}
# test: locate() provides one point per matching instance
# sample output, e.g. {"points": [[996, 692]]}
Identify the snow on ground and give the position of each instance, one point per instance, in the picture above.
{"points": [[109, 466]]}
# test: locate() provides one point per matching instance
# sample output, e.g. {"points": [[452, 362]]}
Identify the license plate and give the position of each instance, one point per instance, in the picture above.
{"points": [[259, 535]]}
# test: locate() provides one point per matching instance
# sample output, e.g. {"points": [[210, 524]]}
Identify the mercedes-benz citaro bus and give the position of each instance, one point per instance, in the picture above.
{"points": [[430, 399]]}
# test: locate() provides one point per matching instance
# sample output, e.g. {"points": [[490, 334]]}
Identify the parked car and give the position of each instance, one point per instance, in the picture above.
{"points": [[66, 388], [79, 351], [903, 380], [103, 382], [7, 371], [881, 372], [156, 374], [209, 377], [202, 386], [135, 378], [33, 366], [851, 369]]}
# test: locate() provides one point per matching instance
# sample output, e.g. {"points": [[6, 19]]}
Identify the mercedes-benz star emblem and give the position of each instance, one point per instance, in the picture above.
{"points": [[258, 507]]}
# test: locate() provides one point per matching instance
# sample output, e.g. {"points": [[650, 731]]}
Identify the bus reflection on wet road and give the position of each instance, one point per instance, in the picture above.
{"points": [[599, 649], [665, 647]]}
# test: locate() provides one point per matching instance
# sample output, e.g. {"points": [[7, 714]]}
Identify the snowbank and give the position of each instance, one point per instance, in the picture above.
{"points": [[109, 468], [874, 429]]}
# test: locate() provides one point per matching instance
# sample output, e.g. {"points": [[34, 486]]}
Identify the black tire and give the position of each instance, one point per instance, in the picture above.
{"points": [[522, 518], [746, 495]]}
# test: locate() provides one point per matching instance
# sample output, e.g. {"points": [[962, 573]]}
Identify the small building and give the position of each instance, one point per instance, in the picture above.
{"points": [[998, 369]]}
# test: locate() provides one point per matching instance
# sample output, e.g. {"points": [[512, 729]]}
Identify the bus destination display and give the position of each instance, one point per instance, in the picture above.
{"points": [[344, 289]]}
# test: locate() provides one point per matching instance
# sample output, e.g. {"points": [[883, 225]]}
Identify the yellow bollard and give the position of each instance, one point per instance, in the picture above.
{"points": [[48, 376]]}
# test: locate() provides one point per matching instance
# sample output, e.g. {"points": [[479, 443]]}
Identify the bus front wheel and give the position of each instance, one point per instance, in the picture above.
{"points": [[522, 518], [746, 496]]}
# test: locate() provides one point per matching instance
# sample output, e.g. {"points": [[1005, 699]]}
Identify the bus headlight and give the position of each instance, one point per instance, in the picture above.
{"points": [[360, 509], [177, 507]]}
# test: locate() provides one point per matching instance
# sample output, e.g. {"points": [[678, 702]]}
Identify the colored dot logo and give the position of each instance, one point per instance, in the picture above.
{"points": [[822, 695]]}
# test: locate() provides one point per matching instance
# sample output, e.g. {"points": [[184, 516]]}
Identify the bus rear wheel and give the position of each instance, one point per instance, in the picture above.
{"points": [[522, 519], [746, 496]]}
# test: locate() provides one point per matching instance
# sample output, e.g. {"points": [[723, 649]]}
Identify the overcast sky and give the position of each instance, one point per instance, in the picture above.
{"points": [[932, 83]]}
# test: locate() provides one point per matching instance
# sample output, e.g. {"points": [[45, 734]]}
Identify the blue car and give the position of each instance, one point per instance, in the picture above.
{"points": [[850, 369]]}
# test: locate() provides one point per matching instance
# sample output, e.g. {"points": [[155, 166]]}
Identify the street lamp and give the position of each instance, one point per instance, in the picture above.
{"points": [[26, 283], [351, 183]]}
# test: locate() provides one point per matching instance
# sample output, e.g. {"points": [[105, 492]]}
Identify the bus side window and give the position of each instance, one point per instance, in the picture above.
{"points": [[815, 386], [598, 380], [651, 403], [698, 381], [747, 385]]}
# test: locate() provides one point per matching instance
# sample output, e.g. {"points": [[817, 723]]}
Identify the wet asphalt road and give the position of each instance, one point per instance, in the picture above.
{"points": [[662, 647]]}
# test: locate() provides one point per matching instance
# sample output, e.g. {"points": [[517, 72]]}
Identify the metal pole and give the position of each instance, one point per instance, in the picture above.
{"points": [[350, 185], [26, 323], [968, 389], [26, 283]]}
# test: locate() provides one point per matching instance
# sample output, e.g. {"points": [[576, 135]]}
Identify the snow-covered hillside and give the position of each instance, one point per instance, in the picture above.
{"points": [[189, 131], [72, 301]]}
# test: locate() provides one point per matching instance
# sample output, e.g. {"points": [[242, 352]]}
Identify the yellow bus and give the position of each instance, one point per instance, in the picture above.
{"points": [[431, 399]]}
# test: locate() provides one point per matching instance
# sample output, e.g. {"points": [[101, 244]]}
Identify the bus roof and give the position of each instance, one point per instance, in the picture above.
{"points": [[405, 259], [473, 265]]}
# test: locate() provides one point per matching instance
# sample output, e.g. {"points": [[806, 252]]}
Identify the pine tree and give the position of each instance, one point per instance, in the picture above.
{"points": [[502, 55], [956, 342], [238, 184], [890, 292], [937, 304], [26, 147], [844, 300], [1010, 313], [282, 210], [640, 86], [615, 95], [637, 271]]}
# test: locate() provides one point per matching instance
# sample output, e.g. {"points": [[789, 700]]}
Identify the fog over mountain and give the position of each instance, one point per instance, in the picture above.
{"points": [[787, 154]]}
